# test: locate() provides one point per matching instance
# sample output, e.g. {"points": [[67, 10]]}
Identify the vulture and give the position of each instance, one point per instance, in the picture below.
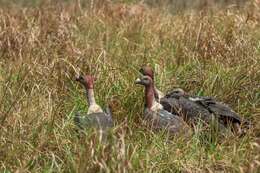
{"points": [[95, 117], [155, 115]]}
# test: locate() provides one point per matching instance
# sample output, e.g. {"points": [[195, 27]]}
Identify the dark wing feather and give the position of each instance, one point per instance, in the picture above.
{"points": [[97, 120], [163, 119], [171, 104], [186, 108], [172, 122], [218, 108], [194, 112]]}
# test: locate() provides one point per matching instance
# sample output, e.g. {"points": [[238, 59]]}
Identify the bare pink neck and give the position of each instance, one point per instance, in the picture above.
{"points": [[90, 97], [149, 96]]}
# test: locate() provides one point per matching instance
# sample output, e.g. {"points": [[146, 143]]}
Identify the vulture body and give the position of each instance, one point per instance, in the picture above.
{"points": [[189, 110], [99, 120], [222, 112], [155, 115]]}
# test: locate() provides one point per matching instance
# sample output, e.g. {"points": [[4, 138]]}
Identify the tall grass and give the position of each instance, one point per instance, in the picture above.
{"points": [[42, 47]]}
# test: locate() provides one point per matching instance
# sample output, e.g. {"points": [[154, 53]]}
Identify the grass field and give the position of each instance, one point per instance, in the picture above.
{"points": [[43, 46]]}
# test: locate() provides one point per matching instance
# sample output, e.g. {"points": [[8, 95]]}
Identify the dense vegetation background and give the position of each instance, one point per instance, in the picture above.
{"points": [[208, 50]]}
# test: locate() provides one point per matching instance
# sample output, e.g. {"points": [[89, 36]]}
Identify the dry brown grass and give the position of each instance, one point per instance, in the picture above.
{"points": [[213, 53]]}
